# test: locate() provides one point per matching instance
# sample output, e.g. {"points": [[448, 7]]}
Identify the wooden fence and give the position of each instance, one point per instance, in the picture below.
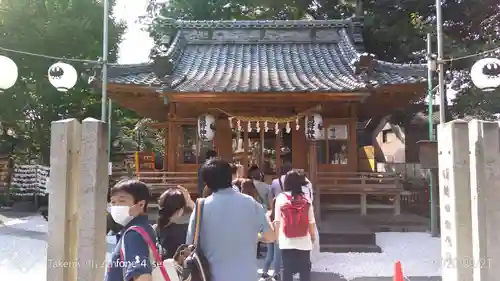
{"points": [[407, 170], [159, 181]]}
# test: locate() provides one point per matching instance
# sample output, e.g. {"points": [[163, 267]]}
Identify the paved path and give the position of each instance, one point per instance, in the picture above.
{"points": [[11, 249]]}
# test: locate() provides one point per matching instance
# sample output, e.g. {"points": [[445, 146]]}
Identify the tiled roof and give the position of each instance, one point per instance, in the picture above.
{"points": [[266, 56]]}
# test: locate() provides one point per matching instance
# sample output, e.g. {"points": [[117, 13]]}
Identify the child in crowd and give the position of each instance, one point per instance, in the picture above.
{"points": [[295, 227]]}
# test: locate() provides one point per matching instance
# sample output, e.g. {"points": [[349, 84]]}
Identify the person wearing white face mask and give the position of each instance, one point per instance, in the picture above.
{"points": [[130, 260]]}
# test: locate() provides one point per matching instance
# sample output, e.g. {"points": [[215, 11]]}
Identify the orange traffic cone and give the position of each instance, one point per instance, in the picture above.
{"points": [[398, 272]]}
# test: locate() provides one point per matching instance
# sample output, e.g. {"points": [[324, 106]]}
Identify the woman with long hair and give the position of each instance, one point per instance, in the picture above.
{"points": [[172, 205], [263, 189], [248, 188], [295, 226]]}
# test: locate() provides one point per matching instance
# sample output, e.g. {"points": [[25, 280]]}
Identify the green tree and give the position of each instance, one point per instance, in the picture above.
{"points": [[60, 28], [471, 28], [396, 31]]}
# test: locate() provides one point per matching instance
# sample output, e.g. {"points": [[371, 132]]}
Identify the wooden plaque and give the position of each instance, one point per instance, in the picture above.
{"points": [[428, 154]]}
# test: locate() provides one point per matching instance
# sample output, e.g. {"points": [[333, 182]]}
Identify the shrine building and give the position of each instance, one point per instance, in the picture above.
{"points": [[269, 93]]}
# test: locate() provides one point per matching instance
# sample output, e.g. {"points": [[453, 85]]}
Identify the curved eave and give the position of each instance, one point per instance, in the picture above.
{"points": [[143, 100], [417, 71]]}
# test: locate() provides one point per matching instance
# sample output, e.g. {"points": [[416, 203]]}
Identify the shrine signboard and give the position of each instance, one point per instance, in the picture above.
{"points": [[428, 154]]}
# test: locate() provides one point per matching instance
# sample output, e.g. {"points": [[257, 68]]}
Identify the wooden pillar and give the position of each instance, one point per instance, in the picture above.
{"points": [[245, 147], [262, 147], [299, 147], [223, 140], [313, 177], [171, 152], [353, 141], [165, 148], [326, 125], [172, 146], [277, 147]]}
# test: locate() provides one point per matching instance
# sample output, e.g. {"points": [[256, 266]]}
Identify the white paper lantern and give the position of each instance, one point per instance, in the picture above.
{"points": [[8, 73], [314, 127], [62, 76], [485, 74], [206, 127]]}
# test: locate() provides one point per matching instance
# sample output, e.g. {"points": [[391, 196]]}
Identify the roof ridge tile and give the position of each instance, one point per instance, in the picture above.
{"points": [[270, 24]]}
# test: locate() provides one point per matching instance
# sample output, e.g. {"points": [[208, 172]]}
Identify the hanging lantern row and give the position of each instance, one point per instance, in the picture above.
{"points": [[485, 74], [61, 75], [313, 126]]}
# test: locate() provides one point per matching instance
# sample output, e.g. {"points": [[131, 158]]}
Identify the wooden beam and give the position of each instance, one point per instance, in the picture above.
{"points": [[268, 97], [132, 88], [414, 88], [162, 125]]}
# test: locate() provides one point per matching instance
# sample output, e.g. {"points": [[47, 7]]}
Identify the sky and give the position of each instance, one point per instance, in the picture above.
{"points": [[136, 42]]}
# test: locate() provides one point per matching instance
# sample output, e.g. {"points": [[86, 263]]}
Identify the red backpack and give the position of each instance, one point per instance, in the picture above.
{"points": [[295, 216]]}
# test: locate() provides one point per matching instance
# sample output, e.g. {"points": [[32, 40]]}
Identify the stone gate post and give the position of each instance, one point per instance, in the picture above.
{"points": [[94, 183], [454, 194], [62, 259], [484, 143]]}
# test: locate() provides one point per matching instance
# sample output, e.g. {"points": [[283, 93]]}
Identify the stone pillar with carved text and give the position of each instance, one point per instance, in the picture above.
{"points": [[484, 143], [454, 181], [93, 198], [77, 200], [62, 257]]}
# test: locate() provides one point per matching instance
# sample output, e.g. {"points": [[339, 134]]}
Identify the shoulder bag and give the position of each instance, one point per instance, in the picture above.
{"points": [[160, 272], [196, 263]]}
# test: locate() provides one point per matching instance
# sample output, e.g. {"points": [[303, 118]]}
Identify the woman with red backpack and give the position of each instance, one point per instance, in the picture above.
{"points": [[295, 227]]}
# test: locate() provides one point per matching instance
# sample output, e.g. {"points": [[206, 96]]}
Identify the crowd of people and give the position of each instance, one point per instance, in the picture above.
{"points": [[217, 237]]}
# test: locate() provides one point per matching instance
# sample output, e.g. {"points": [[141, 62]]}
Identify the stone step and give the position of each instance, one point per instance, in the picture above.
{"points": [[408, 228], [350, 248], [368, 238]]}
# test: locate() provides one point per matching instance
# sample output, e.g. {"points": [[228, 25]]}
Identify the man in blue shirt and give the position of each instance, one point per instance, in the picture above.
{"points": [[129, 203], [201, 184], [230, 225]]}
